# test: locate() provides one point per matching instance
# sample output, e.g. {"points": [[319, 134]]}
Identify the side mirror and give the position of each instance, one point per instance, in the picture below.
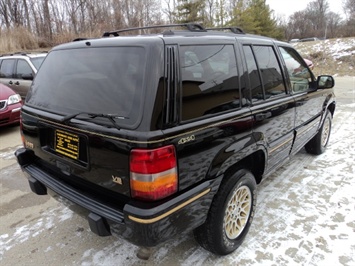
{"points": [[325, 82], [27, 76]]}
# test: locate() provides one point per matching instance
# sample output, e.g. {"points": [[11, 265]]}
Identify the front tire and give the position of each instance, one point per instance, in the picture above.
{"points": [[230, 215], [319, 142]]}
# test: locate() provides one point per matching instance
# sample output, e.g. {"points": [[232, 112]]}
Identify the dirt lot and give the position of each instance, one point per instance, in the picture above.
{"points": [[305, 214]]}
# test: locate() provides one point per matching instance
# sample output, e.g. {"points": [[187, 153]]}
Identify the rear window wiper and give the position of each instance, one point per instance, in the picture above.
{"points": [[110, 117]]}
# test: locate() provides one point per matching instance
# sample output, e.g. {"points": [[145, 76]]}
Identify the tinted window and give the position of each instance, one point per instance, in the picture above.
{"points": [[22, 68], [6, 68], [210, 82], [254, 77], [298, 72], [270, 71], [265, 74], [96, 80]]}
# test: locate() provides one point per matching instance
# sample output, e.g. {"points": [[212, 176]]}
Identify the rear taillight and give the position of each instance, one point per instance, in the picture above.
{"points": [[153, 173], [21, 132]]}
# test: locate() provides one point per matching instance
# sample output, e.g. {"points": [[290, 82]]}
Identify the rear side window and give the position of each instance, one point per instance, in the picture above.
{"points": [[6, 68], [105, 80], [209, 79], [253, 72], [22, 68], [264, 73]]}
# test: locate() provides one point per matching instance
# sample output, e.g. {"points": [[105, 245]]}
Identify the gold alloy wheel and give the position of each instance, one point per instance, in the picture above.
{"points": [[237, 212], [325, 132]]}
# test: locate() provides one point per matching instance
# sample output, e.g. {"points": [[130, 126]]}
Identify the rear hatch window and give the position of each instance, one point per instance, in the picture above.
{"points": [[105, 80]]}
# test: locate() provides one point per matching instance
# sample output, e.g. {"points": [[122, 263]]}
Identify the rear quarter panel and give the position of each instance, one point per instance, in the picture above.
{"points": [[208, 150]]}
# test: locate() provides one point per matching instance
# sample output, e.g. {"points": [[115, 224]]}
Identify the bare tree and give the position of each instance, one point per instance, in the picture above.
{"points": [[47, 20], [333, 25], [316, 16], [349, 9], [47, 28], [4, 12], [169, 10]]}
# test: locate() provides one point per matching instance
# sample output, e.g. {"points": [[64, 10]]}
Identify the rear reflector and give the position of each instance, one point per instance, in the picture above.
{"points": [[21, 132], [153, 173]]}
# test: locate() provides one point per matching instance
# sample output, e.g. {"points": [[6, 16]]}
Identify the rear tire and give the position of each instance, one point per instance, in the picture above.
{"points": [[319, 142], [230, 216]]}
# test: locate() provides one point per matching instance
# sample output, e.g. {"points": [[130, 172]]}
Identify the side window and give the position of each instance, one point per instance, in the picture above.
{"points": [[209, 78], [257, 92], [22, 68], [6, 68], [270, 71], [300, 76]]}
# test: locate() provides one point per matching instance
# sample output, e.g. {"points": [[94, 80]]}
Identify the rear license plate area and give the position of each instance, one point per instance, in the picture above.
{"points": [[67, 144]]}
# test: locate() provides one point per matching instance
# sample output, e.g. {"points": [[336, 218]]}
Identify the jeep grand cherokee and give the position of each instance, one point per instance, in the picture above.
{"points": [[160, 134]]}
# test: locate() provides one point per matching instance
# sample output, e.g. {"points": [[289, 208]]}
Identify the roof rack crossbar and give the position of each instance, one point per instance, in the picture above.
{"points": [[80, 39], [15, 53], [236, 30], [189, 26]]}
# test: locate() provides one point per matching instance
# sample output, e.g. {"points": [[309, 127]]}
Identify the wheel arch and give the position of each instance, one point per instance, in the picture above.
{"points": [[331, 107], [254, 162]]}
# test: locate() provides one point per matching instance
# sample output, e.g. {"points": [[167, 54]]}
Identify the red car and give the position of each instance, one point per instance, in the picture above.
{"points": [[309, 63], [10, 106]]}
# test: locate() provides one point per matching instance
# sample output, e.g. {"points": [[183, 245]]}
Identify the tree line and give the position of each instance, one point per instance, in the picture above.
{"points": [[317, 20], [54, 21]]}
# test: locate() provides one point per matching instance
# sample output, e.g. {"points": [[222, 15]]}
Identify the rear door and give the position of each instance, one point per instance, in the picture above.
{"points": [[213, 126], [273, 107], [21, 85]]}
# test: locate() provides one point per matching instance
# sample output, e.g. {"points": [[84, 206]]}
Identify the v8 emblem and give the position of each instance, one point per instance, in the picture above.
{"points": [[117, 180]]}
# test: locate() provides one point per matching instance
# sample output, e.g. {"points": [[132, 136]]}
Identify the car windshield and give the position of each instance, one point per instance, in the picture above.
{"points": [[37, 61], [105, 80]]}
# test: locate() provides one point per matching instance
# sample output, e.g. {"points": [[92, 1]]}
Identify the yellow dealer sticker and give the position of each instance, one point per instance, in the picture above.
{"points": [[67, 144]]}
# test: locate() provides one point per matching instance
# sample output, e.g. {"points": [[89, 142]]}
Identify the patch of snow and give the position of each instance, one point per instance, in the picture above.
{"points": [[48, 249]]}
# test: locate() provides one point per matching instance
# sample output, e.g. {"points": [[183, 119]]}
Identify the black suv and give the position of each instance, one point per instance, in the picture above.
{"points": [[156, 135]]}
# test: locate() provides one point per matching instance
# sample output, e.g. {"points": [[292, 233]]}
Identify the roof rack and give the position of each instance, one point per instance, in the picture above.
{"points": [[15, 53], [235, 30], [190, 26], [80, 39]]}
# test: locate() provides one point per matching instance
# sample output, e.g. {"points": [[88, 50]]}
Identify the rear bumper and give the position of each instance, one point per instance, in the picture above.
{"points": [[144, 224]]}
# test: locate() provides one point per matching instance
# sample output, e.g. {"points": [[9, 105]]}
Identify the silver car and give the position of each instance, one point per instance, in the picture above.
{"points": [[18, 69]]}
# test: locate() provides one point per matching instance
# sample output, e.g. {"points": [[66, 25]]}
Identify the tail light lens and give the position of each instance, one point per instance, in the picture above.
{"points": [[21, 132], [153, 173]]}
